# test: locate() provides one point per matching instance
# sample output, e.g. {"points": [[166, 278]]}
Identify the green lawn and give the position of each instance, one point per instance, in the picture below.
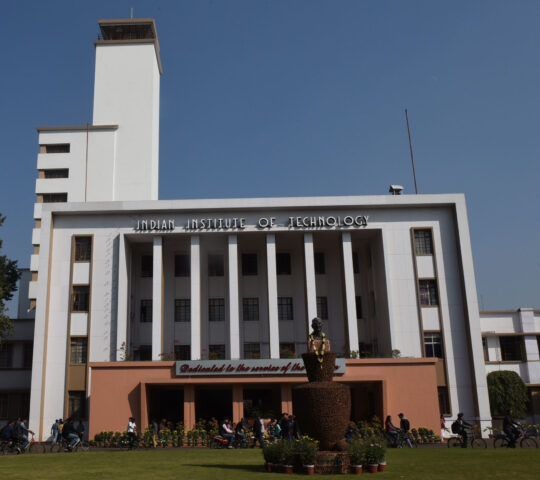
{"points": [[440, 463]]}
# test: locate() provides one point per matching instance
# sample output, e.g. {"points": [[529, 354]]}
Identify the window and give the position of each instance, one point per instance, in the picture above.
{"points": [[181, 266], [422, 242], [512, 348], [428, 293], [250, 309], [285, 308], [322, 308], [83, 249], [147, 266], [444, 402], [56, 173], [215, 266], [182, 310], [55, 148], [78, 351], [144, 353], [287, 350], [216, 352], [80, 297], [216, 310], [359, 307], [77, 405], [249, 264], [433, 345], [355, 263], [146, 311], [320, 268], [182, 352], [252, 350], [485, 349], [4, 405], [6, 355], [283, 263], [54, 197], [24, 405], [28, 353]]}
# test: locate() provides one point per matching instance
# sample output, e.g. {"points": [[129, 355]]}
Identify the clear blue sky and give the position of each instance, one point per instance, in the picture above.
{"points": [[276, 98]]}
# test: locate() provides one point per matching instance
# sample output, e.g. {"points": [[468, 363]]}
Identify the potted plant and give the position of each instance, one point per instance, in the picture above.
{"points": [[307, 449], [287, 453], [374, 454], [271, 455], [357, 453]]}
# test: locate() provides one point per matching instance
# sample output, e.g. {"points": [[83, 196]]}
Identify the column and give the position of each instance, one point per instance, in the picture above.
{"points": [[234, 321], [273, 323], [122, 310], [195, 256], [350, 294], [189, 407], [286, 398], [311, 290], [238, 402], [157, 299]]}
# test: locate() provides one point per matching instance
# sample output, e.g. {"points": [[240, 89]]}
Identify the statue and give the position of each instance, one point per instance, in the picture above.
{"points": [[317, 340]]}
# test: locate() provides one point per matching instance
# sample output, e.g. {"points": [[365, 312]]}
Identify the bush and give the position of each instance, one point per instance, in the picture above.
{"points": [[357, 450], [507, 390], [374, 453], [272, 452], [307, 449]]}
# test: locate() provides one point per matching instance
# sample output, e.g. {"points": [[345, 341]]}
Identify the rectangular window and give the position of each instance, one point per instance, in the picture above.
{"points": [[252, 350], [182, 352], [287, 350], [6, 355], [444, 402], [249, 264], [485, 349], [147, 266], [355, 263], [56, 173], [428, 293], [4, 405], [54, 197], [423, 244], [146, 311], [55, 148], [83, 249], [359, 307], [77, 405], [78, 350], [433, 345], [28, 354], [320, 267], [285, 308], [512, 348], [216, 352], [80, 298], [182, 266], [250, 309], [322, 308], [144, 353], [283, 263], [216, 309], [216, 266], [182, 310], [24, 405]]}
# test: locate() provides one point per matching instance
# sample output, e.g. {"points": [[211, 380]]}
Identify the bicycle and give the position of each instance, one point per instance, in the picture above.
{"points": [[402, 439], [476, 439], [65, 446], [527, 441]]}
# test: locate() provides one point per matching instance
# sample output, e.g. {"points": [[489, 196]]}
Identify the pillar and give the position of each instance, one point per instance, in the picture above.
{"points": [[157, 299], [273, 323], [122, 307], [234, 320], [195, 256], [350, 295], [311, 290], [189, 407], [238, 402]]}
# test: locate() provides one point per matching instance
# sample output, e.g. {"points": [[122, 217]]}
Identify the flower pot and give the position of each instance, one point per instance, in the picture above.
{"points": [[309, 469], [382, 467], [372, 468], [287, 469], [356, 469]]}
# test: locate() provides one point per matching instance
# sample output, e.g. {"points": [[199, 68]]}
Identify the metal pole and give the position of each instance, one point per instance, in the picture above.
{"points": [[410, 148]]}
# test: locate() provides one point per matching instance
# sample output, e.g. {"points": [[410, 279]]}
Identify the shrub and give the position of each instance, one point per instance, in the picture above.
{"points": [[507, 390], [374, 453], [307, 449], [272, 452], [357, 450]]}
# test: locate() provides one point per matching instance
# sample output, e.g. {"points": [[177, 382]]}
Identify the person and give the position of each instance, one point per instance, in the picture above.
{"points": [[296, 432], [60, 430], [239, 430], [54, 431], [69, 434], [461, 429], [277, 430], [6, 433], [285, 427], [511, 429], [155, 430], [227, 433], [80, 429], [258, 430], [131, 428], [405, 426], [22, 432], [391, 430]]}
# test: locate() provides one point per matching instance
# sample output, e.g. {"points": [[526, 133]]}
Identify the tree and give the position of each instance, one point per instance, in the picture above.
{"points": [[9, 276], [507, 390]]}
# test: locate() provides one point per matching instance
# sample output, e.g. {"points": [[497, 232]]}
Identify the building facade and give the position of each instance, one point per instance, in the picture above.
{"points": [[200, 308]]}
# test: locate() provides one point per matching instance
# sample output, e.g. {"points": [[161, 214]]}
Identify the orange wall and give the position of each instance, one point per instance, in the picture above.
{"points": [[118, 390]]}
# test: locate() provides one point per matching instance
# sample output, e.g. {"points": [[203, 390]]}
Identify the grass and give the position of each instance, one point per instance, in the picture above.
{"points": [[440, 463]]}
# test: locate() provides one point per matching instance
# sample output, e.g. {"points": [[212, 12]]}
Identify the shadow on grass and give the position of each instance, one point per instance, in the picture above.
{"points": [[244, 468]]}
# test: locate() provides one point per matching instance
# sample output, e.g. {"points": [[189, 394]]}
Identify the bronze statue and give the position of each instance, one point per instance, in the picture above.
{"points": [[317, 339]]}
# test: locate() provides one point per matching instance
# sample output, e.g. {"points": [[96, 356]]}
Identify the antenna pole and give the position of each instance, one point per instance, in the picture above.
{"points": [[410, 148]]}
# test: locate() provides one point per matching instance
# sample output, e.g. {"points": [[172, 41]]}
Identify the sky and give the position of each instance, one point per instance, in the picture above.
{"points": [[307, 97]]}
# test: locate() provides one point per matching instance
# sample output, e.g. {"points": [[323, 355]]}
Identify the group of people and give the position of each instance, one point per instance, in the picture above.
{"points": [[241, 430], [16, 431], [67, 430], [399, 435]]}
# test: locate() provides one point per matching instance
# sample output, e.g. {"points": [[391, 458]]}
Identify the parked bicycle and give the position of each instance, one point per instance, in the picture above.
{"points": [[525, 439], [474, 439]]}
